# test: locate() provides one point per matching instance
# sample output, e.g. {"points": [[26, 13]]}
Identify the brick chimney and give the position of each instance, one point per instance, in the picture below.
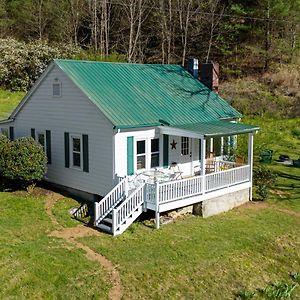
{"points": [[209, 75]]}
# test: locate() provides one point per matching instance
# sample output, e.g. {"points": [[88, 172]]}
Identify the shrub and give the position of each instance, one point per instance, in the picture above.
{"points": [[263, 179], [245, 295], [22, 161], [279, 291], [21, 63]]}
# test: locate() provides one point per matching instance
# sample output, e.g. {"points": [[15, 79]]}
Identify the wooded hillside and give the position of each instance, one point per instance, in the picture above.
{"points": [[245, 36]]}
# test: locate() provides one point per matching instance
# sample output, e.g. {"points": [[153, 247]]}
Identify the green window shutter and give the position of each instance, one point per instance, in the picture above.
{"points": [[11, 133], [130, 156], [199, 150], [33, 133], [67, 150], [85, 149], [48, 145], [165, 150]]}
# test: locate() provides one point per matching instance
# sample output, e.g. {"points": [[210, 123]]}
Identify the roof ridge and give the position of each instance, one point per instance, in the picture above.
{"points": [[111, 62]]}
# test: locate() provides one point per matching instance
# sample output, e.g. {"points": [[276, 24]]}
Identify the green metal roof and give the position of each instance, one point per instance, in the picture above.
{"points": [[136, 95], [218, 128]]}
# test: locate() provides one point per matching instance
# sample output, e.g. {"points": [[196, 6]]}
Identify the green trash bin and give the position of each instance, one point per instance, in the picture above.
{"points": [[266, 156]]}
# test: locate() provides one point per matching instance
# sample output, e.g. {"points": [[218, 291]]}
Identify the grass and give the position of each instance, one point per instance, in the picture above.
{"points": [[34, 265], [210, 258], [61, 211], [8, 101], [240, 252]]}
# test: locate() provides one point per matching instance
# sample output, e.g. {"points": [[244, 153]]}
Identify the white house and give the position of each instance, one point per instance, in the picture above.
{"points": [[135, 137]]}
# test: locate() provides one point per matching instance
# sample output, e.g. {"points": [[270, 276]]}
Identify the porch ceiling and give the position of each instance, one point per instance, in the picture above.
{"points": [[211, 129]]}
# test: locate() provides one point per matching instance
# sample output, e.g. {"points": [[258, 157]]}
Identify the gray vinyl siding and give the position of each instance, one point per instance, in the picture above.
{"points": [[73, 113]]}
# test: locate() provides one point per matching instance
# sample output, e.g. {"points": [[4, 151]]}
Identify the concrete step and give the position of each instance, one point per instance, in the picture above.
{"points": [[107, 220], [105, 228]]}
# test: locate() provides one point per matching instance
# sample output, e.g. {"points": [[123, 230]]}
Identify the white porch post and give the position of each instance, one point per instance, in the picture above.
{"points": [[250, 160], [156, 205], [203, 150]]}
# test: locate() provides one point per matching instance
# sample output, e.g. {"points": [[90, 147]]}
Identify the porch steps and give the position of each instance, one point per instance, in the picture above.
{"points": [[106, 223]]}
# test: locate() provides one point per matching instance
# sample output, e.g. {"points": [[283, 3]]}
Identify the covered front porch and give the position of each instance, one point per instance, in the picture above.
{"points": [[198, 164]]}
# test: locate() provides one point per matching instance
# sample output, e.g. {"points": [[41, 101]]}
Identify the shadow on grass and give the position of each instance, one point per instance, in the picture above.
{"points": [[288, 176]]}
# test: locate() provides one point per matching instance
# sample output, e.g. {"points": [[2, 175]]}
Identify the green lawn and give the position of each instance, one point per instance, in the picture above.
{"points": [[34, 265], [8, 101], [193, 258]]}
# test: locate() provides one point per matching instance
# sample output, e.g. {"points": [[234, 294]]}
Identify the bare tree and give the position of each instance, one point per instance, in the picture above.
{"points": [[135, 11], [214, 19]]}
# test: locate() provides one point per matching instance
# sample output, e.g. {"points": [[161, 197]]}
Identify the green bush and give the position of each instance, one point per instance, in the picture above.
{"points": [[280, 290], [22, 161], [263, 179]]}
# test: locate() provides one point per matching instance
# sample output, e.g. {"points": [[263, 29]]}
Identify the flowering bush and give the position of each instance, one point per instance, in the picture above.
{"points": [[22, 63]]}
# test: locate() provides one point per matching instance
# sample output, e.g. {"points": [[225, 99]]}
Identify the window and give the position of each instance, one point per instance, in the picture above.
{"points": [[154, 153], [56, 89], [4, 131], [76, 151], [141, 154], [42, 140], [185, 148]]}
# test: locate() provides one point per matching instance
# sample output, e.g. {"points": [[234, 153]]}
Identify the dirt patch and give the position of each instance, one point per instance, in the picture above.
{"points": [[51, 198], [289, 212], [71, 234], [255, 205], [264, 205]]}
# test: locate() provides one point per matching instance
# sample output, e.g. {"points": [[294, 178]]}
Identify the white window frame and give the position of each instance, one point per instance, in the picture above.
{"points": [[155, 152], [185, 146], [144, 154], [59, 84], [45, 141], [5, 132], [76, 136], [147, 153]]}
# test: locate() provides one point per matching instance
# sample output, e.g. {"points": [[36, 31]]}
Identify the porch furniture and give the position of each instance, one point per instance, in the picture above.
{"points": [[210, 166], [197, 170], [239, 161], [175, 171]]}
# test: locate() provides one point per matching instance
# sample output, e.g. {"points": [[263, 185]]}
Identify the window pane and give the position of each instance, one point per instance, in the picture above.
{"points": [[41, 139], [76, 144], [154, 160], [76, 159], [56, 89], [185, 145], [155, 145], [141, 162], [141, 147]]}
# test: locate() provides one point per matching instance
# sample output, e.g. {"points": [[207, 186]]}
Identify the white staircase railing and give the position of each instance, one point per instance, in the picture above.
{"points": [[106, 205], [122, 213]]}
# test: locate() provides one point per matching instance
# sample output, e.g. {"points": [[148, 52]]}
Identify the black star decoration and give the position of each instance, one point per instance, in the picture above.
{"points": [[173, 145]]}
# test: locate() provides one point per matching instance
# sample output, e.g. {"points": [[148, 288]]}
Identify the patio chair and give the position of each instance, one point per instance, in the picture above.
{"points": [[175, 171]]}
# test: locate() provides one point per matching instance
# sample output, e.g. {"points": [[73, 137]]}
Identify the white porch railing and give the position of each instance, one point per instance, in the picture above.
{"points": [[226, 178], [125, 210], [178, 189], [189, 187], [106, 205]]}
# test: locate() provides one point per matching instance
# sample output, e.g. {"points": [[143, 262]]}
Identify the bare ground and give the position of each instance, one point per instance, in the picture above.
{"points": [[70, 235]]}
